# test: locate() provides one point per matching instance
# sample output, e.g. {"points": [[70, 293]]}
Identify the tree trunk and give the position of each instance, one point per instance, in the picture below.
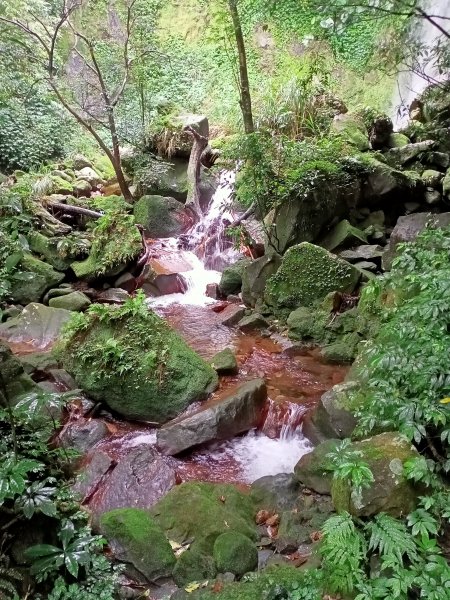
{"points": [[194, 169], [244, 91]]}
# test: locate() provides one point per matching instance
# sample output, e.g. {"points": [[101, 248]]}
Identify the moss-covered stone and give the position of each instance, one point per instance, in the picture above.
{"points": [[200, 512], [135, 363], [307, 274], [231, 280], [343, 350], [61, 186], [314, 469], [162, 217], [47, 248], [390, 491], [37, 279], [352, 129], [235, 553], [135, 538], [75, 301], [308, 324], [225, 361], [193, 566], [255, 275], [398, 140]]}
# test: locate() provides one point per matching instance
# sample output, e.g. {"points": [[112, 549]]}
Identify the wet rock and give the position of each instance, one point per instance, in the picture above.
{"points": [[372, 252], [191, 566], [235, 553], [63, 380], [331, 419], [81, 187], [255, 276], [439, 159], [157, 388], [314, 469], [390, 492], [37, 278], [212, 291], [276, 492], [232, 315], [407, 229], [366, 265], [252, 322], [231, 280], [199, 512], [38, 361], [343, 234], [83, 436], [80, 162], [56, 292], [375, 218], [225, 362], [140, 479], [307, 274], [299, 527], [411, 207], [88, 174], [136, 539], [162, 217], [90, 477], [385, 183], [235, 414], [38, 325], [75, 301], [352, 129]]}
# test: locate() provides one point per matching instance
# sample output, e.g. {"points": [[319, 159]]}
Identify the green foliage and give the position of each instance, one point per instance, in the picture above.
{"points": [[346, 464], [9, 579]]}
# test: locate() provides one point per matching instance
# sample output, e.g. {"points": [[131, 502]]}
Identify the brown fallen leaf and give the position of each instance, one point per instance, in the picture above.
{"points": [[217, 587], [273, 521], [315, 536], [262, 516]]}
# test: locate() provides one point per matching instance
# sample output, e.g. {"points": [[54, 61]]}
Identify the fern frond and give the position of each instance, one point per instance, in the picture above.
{"points": [[391, 539], [7, 588]]}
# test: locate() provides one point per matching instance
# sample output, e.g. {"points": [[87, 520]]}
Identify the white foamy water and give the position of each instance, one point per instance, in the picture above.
{"points": [[412, 82], [140, 439]]}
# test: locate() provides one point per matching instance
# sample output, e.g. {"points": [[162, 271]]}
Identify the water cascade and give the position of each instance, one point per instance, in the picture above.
{"points": [[413, 81]]}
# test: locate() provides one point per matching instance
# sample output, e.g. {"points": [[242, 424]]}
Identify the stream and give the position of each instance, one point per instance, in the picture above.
{"points": [[295, 377]]}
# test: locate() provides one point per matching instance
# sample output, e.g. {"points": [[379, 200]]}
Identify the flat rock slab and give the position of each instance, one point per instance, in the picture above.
{"points": [[139, 480], [236, 414], [38, 325]]}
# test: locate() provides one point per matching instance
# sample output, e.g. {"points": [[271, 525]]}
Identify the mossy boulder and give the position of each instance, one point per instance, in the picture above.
{"points": [[133, 361], [343, 350], [307, 274], [446, 185], [352, 129], [10, 366], [386, 184], [235, 553], [390, 492], [61, 186], [193, 566], [200, 512], [332, 418], [231, 280], [137, 540], [75, 301], [47, 248], [162, 217], [314, 469], [36, 279], [116, 243], [225, 362], [398, 140]]}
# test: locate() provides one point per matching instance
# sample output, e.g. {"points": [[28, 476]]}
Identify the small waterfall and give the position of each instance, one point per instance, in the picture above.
{"points": [[412, 82], [207, 250], [283, 420]]}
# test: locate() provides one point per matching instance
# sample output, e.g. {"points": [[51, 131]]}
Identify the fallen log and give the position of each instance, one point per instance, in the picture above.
{"points": [[75, 210]]}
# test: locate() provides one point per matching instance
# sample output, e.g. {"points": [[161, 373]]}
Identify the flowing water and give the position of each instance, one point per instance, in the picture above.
{"points": [[413, 81], [295, 378]]}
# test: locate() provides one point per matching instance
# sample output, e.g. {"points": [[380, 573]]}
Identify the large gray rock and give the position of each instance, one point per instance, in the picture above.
{"points": [[255, 276], [36, 279], [314, 469], [83, 436], [331, 419], [38, 325], [386, 183], [372, 252], [407, 229], [231, 280], [75, 301], [302, 219], [140, 479], [236, 414], [162, 217], [409, 152]]}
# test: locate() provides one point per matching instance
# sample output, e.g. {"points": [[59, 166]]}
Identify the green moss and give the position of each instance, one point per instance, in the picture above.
{"points": [[158, 215], [351, 128], [132, 360], [203, 511], [136, 539], [235, 553], [193, 566], [47, 248], [37, 278], [61, 186], [307, 274], [115, 242]]}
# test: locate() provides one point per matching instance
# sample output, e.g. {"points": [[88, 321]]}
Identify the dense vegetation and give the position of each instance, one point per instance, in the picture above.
{"points": [[91, 95]]}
